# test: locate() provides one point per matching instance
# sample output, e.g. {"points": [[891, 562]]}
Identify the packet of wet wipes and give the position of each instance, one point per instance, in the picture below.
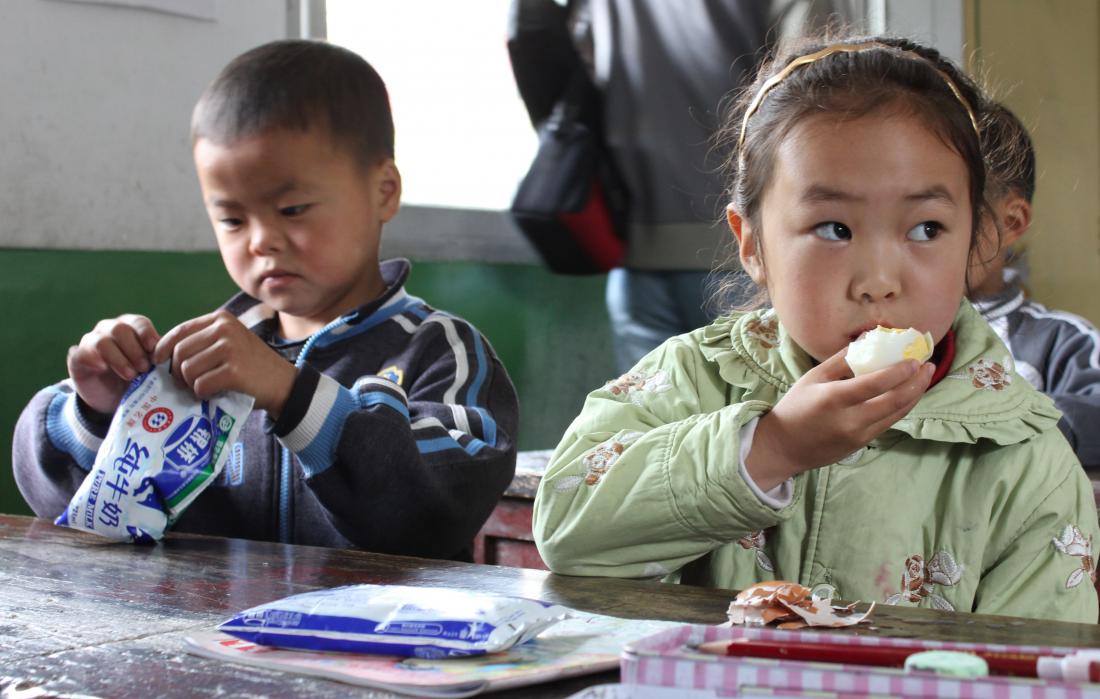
{"points": [[163, 448], [422, 622]]}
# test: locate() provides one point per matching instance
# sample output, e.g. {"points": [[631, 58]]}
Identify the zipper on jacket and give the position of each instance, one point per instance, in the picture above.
{"points": [[287, 460], [814, 533]]}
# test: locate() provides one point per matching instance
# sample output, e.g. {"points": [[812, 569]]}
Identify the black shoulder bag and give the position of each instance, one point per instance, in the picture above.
{"points": [[571, 204]]}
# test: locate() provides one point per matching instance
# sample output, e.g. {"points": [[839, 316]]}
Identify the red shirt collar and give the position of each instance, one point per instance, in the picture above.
{"points": [[943, 355]]}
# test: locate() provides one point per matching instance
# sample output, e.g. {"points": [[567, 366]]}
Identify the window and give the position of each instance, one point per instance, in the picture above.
{"points": [[463, 139]]}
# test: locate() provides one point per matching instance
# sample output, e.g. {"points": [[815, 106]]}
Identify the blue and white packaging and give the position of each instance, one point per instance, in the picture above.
{"points": [[422, 622], [163, 448]]}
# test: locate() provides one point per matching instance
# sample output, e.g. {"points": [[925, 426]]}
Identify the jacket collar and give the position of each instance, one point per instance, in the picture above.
{"points": [[256, 316], [982, 396], [1008, 300]]}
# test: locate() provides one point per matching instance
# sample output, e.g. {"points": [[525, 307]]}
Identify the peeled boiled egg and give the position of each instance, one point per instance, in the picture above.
{"points": [[883, 347]]}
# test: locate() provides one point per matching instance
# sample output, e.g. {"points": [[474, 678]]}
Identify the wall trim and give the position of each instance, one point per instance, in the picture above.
{"points": [[445, 234]]}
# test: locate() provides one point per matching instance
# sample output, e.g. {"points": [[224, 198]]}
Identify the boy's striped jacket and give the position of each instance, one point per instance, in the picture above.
{"points": [[1059, 354], [398, 436]]}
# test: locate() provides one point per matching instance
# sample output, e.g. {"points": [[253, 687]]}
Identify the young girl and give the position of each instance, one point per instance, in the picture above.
{"points": [[746, 451]]}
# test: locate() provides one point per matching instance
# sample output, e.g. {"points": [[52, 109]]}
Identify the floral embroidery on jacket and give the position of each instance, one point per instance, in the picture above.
{"points": [[598, 461], [765, 331], [568, 483], [1073, 543], [754, 541], [633, 383], [918, 581], [987, 374]]}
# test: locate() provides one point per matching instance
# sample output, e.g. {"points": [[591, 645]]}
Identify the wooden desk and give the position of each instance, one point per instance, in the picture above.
{"points": [[83, 616]]}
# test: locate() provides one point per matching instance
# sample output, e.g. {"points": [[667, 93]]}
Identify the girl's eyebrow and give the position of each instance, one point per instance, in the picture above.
{"points": [[822, 193], [933, 193]]}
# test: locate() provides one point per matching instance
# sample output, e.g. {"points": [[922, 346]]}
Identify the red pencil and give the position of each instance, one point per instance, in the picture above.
{"points": [[1000, 663]]}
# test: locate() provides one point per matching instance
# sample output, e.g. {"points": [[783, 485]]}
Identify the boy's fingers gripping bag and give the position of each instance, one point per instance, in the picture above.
{"points": [[163, 448], [395, 620]]}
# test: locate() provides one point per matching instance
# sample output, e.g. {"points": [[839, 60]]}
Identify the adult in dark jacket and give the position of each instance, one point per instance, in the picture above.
{"points": [[661, 70]]}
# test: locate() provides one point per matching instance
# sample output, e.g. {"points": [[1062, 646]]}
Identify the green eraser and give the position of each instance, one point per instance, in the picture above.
{"points": [[948, 662]]}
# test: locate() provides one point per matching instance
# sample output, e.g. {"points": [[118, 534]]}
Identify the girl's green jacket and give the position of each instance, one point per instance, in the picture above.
{"points": [[973, 502]]}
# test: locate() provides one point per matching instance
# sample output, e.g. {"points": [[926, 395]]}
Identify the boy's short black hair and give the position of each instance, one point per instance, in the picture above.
{"points": [[1009, 155], [299, 84]]}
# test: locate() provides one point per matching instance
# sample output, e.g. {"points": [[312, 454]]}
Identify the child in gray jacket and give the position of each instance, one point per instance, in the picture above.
{"points": [[1058, 352], [379, 422]]}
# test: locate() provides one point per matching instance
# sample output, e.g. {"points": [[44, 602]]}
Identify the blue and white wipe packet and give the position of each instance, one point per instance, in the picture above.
{"points": [[422, 622], [163, 448]]}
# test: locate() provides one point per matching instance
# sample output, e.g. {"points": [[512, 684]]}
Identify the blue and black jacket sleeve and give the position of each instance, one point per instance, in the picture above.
{"points": [[413, 460]]}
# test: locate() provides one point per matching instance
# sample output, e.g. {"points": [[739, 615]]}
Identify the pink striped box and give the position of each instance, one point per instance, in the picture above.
{"points": [[664, 660]]}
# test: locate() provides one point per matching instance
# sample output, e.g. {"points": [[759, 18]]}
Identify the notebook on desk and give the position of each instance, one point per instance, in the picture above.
{"points": [[580, 645]]}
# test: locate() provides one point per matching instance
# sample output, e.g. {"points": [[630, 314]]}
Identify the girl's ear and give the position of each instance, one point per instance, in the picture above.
{"points": [[1015, 219], [388, 189], [747, 245]]}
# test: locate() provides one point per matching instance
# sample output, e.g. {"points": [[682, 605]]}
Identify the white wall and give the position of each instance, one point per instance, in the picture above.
{"points": [[95, 101], [95, 104]]}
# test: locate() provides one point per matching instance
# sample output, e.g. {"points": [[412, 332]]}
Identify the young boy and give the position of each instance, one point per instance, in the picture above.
{"points": [[1057, 352], [379, 422]]}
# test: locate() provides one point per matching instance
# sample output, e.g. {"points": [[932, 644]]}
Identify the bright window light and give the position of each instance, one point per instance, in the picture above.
{"points": [[463, 138]]}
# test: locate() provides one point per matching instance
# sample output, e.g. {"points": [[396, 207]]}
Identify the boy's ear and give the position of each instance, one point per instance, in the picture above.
{"points": [[1015, 219], [747, 246], [388, 189]]}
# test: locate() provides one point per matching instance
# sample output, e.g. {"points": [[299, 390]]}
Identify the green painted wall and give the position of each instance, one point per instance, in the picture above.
{"points": [[550, 331]]}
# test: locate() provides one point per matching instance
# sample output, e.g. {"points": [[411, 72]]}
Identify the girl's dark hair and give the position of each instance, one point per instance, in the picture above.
{"points": [[897, 75], [1009, 155], [299, 85]]}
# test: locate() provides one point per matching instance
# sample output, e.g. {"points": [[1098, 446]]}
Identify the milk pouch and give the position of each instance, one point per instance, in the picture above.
{"points": [[422, 622], [163, 448]]}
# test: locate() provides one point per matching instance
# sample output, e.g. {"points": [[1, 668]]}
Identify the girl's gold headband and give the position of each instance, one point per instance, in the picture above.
{"points": [[845, 48]]}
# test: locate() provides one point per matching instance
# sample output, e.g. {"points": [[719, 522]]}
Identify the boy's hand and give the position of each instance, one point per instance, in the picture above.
{"points": [[109, 357], [215, 353], [827, 415]]}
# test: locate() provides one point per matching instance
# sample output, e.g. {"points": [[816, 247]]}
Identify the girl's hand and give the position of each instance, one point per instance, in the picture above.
{"points": [[109, 357], [827, 415], [216, 352]]}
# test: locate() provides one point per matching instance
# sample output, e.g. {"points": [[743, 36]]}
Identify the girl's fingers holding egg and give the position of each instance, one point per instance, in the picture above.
{"points": [[882, 411], [868, 386], [922, 379], [834, 368]]}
